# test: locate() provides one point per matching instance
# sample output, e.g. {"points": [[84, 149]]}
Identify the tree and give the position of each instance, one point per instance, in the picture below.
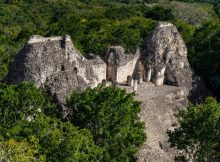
{"points": [[204, 54], [198, 133], [60, 141], [22, 101], [30, 131], [159, 13], [14, 151], [112, 116]]}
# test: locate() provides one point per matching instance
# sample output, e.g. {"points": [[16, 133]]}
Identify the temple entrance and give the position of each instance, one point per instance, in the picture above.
{"points": [[111, 72]]}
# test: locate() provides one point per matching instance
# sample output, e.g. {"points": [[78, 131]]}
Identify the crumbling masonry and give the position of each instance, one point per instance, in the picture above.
{"points": [[55, 65]]}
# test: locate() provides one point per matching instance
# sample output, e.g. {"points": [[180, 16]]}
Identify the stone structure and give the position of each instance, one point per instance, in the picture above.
{"points": [[135, 86], [55, 65], [164, 48], [139, 77], [119, 64], [148, 74], [98, 65], [130, 80], [104, 82], [158, 103], [165, 54]]}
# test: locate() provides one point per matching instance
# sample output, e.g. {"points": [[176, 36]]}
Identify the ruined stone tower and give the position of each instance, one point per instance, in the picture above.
{"points": [[54, 64]]}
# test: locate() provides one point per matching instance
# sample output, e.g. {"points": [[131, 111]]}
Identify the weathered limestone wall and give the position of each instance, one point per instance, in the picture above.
{"points": [[124, 70], [164, 47], [54, 64], [100, 71], [120, 64], [99, 68]]}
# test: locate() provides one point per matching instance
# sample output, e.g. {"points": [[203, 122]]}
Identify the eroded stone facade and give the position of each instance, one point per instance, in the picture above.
{"points": [[119, 64], [54, 64]]}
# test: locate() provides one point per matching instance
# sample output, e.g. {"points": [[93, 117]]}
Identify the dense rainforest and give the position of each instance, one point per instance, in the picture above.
{"points": [[93, 26]]}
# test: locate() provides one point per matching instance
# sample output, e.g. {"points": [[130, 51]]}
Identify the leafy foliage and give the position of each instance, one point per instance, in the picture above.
{"points": [[110, 129], [199, 131], [14, 151], [95, 26], [191, 13], [206, 1], [112, 117], [159, 13], [58, 141], [204, 53], [30, 130], [22, 102]]}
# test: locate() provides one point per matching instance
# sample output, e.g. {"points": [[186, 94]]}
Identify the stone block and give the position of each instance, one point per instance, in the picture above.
{"points": [[139, 77], [115, 84], [130, 80], [159, 81], [135, 86], [104, 82], [148, 75]]}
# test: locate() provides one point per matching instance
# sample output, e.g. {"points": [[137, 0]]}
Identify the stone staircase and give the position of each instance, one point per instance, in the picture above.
{"points": [[159, 103]]}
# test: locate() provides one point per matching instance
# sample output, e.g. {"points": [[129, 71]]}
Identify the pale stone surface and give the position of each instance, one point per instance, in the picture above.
{"points": [[148, 75], [53, 64], [125, 70], [135, 86], [159, 81], [159, 76], [98, 65], [40, 39], [139, 77], [158, 105], [164, 47], [120, 64]]}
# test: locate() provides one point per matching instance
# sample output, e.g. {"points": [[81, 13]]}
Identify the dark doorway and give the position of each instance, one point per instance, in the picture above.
{"points": [[111, 72]]}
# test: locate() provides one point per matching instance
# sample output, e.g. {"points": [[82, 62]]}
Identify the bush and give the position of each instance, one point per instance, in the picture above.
{"points": [[204, 53], [112, 117], [198, 132], [30, 130], [22, 102]]}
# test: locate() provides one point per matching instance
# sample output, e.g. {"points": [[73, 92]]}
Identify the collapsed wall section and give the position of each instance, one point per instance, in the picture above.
{"points": [[99, 67], [119, 64], [54, 64]]}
